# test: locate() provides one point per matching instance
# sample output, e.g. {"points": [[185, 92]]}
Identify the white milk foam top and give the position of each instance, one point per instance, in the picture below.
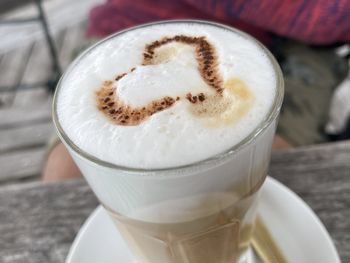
{"points": [[172, 137]]}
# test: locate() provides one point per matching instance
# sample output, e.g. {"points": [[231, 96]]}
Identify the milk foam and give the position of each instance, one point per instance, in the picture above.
{"points": [[174, 136]]}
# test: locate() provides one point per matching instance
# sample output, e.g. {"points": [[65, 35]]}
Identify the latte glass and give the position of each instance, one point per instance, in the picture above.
{"points": [[197, 213]]}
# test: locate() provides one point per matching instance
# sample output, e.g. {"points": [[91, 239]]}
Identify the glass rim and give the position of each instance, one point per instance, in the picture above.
{"points": [[212, 161]]}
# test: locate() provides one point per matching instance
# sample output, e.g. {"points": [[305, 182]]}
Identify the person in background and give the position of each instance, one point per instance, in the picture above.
{"points": [[300, 33]]}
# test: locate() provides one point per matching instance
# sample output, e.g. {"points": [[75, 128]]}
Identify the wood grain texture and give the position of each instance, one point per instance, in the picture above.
{"points": [[38, 68], [320, 175], [24, 130], [39, 222], [72, 42], [20, 138], [12, 66], [22, 116], [21, 164], [25, 113]]}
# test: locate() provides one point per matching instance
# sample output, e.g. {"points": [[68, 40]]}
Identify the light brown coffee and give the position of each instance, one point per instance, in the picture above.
{"points": [[218, 237]]}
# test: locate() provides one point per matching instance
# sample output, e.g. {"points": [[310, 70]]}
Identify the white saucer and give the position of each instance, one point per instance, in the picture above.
{"points": [[294, 226]]}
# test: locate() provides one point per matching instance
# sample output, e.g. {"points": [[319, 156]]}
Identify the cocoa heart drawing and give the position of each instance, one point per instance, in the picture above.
{"points": [[121, 113]]}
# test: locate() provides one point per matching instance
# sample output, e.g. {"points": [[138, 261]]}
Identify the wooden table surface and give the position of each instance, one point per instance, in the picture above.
{"points": [[38, 222]]}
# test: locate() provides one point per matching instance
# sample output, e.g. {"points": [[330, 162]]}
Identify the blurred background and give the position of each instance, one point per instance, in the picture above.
{"points": [[39, 38], [31, 60]]}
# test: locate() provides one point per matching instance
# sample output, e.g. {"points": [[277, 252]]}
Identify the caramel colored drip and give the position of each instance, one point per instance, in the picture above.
{"points": [[120, 113], [217, 110]]}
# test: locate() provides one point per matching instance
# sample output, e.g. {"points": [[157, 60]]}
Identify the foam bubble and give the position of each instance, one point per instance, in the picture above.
{"points": [[166, 95]]}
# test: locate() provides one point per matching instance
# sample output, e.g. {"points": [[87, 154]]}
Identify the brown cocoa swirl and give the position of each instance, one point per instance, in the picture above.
{"points": [[120, 113]]}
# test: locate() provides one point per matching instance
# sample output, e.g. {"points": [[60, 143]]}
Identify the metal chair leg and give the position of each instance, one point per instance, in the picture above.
{"points": [[57, 71]]}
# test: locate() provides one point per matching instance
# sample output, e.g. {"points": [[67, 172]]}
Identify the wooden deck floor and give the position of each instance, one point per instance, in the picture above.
{"points": [[25, 115]]}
